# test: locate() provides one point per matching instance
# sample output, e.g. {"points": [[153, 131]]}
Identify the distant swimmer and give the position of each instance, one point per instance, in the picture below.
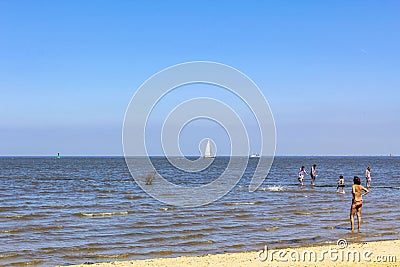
{"points": [[368, 177], [356, 203], [301, 174], [340, 184], [313, 173]]}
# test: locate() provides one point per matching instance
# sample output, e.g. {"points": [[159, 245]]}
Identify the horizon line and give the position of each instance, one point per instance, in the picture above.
{"points": [[282, 155]]}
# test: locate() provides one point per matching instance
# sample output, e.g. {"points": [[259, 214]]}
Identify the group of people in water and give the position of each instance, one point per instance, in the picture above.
{"points": [[340, 183], [313, 174], [357, 190]]}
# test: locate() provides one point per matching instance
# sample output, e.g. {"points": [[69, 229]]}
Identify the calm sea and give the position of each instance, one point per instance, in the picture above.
{"points": [[76, 210]]}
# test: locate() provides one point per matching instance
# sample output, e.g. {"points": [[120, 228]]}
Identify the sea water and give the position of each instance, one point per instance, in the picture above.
{"points": [[76, 209]]}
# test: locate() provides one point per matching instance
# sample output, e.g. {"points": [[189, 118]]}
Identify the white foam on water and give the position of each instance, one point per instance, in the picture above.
{"points": [[275, 188], [104, 214]]}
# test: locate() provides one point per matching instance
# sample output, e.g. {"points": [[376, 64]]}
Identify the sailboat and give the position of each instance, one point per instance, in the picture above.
{"points": [[207, 152]]}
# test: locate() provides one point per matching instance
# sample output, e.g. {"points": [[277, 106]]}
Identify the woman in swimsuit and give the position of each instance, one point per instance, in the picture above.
{"points": [[356, 203]]}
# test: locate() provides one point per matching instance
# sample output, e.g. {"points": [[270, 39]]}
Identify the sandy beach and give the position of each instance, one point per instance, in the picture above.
{"points": [[381, 253]]}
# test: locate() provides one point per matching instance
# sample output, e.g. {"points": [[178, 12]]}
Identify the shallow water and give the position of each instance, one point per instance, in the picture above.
{"points": [[77, 210]]}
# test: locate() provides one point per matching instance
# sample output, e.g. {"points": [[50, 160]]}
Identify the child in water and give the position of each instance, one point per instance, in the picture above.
{"points": [[368, 177], [313, 174], [301, 174], [340, 184]]}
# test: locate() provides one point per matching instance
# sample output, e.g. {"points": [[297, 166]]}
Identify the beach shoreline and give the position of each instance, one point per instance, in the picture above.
{"points": [[376, 253]]}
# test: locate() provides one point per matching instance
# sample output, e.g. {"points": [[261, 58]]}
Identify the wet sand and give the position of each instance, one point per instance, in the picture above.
{"points": [[381, 253]]}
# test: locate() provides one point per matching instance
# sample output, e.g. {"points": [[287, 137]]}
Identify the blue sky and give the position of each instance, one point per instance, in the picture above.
{"points": [[329, 69]]}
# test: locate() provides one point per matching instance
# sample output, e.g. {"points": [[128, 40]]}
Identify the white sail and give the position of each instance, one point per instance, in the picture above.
{"points": [[207, 152]]}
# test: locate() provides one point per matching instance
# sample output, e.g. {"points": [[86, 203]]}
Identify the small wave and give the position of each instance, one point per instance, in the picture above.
{"points": [[196, 243], [153, 240], [242, 203], [134, 197], [325, 185], [243, 216], [104, 196], [273, 228], [87, 180], [10, 231], [274, 188], [162, 253], [107, 191], [330, 227], [81, 190], [27, 263], [391, 229], [24, 217], [53, 207], [47, 228], [379, 212], [157, 226], [276, 219], [9, 256], [384, 207], [101, 214], [93, 247], [180, 224], [8, 208], [192, 236], [303, 212], [329, 208], [217, 218], [301, 225], [166, 209], [387, 187], [331, 220], [115, 256], [35, 228], [100, 257], [189, 231], [229, 227]]}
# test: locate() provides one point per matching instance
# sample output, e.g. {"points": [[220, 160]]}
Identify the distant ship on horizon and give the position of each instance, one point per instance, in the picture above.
{"points": [[254, 155]]}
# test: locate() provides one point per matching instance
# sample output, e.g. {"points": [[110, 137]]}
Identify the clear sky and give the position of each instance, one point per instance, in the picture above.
{"points": [[329, 69]]}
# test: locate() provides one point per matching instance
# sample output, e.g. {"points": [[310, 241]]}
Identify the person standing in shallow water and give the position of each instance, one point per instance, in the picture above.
{"points": [[301, 174], [340, 184], [356, 203], [368, 177], [313, 173]]}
